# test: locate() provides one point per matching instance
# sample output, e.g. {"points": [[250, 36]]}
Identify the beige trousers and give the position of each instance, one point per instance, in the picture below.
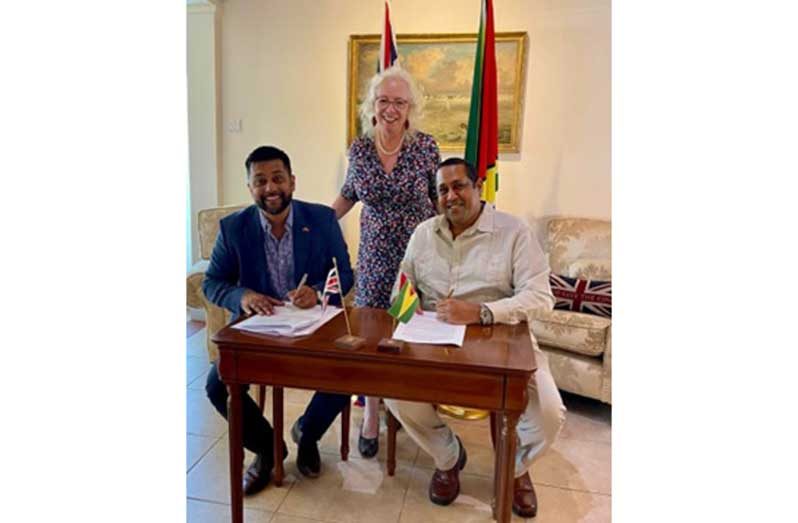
{"points": [[537, 427]]}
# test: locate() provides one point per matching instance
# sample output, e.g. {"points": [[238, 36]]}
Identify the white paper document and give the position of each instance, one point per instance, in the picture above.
{"points": [[289, 320], [427, 328]]}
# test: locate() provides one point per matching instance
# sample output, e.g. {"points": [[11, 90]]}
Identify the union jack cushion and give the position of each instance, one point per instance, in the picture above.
{"points": [[590, 296]]}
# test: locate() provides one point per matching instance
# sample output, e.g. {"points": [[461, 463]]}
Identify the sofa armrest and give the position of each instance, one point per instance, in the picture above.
{"points": [[571, 331], [194, 297], [215, 317]]}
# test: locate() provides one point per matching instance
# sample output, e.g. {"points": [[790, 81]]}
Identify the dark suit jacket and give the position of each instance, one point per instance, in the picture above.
{"points": [[238, 261]]}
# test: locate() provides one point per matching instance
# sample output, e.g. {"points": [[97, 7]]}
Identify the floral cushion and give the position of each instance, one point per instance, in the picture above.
{"points": [[570, 331]]}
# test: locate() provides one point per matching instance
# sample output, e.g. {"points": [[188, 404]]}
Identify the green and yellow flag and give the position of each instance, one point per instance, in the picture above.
{"points": [[482, 140], [406, 302]]}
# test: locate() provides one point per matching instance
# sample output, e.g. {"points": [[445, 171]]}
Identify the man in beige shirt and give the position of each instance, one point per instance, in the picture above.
{"points": [[475, 265]]}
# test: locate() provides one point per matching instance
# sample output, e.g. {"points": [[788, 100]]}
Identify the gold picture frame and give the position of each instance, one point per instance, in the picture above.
{"points": [[443, 66]]}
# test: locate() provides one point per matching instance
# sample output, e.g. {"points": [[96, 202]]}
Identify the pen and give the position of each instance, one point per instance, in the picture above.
{"points": [[301, 283]]}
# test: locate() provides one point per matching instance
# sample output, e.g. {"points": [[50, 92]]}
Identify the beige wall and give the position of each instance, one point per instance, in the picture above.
{"points": [[202, 113], [284, 74]]}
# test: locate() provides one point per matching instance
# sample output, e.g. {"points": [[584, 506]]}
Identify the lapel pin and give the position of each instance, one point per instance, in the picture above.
{"points": [[305, 229]]}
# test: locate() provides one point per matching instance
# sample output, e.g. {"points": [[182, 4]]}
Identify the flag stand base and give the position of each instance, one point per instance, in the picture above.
{"points": [[390, 345], [348, 341]]}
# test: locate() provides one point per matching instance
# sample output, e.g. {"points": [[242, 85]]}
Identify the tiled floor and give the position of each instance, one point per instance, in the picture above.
{"points": [[572, 479]]}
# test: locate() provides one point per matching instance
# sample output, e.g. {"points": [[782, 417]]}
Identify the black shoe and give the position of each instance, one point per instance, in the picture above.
{"points": [[258, 475], [308, 460], [296, 430], [368, 447]]}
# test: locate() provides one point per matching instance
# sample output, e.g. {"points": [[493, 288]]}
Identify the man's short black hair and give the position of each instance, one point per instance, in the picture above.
{"points": [[471, 171], [266, 153]]}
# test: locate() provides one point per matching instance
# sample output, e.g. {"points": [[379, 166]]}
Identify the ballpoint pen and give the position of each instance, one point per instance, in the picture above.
{"points": [[301, 283]]}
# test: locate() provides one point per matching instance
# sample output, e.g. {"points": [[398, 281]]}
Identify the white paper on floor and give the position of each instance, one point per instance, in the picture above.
{"points": [[472, 502], [361, 475]]}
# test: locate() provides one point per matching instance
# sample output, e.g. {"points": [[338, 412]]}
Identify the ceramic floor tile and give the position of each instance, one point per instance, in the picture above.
{"points": [[297, 396], [209, 480], [203, 512], [312, 497], [198, 383], [578, 425], [556, 505], [285, 518], [354, 491], [195, 367], [196, 345], [202, 418], [575, 464], [196, 447]]}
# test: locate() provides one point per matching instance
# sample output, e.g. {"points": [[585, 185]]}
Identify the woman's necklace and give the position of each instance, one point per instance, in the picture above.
{"points": [[382, 149]]}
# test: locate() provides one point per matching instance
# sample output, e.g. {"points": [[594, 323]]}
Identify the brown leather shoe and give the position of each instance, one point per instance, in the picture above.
{"points": [[525, 501], [445, 484]]}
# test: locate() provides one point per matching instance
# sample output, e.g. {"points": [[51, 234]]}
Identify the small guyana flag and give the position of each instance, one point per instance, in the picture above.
{"points": [[406, 302]]}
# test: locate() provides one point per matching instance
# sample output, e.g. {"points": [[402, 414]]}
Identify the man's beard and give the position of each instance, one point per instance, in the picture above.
{"points": [[285, 201]]}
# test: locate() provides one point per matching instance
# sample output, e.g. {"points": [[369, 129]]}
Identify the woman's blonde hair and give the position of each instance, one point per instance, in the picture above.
{"points": [[416, 101]]}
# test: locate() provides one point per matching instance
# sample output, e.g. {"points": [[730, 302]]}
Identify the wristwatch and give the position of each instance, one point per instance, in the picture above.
{"points": [[485, 316]]}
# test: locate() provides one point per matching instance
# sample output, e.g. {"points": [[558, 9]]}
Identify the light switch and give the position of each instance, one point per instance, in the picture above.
{"points": [[234, 126]]}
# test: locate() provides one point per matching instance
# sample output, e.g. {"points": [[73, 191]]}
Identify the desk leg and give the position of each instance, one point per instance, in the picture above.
{"points": [[393, 426], [234, 415], [277, 421], [505, 466], [345, 420]]}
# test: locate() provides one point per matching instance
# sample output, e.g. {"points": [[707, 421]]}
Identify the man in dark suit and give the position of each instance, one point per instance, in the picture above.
{"points": [[258, 261]]}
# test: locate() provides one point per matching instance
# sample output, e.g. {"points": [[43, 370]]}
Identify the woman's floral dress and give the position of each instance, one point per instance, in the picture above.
{"points": [[393, 205]]}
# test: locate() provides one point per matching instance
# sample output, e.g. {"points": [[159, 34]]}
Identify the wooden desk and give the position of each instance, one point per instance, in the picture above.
{"points": [[489, 372]]}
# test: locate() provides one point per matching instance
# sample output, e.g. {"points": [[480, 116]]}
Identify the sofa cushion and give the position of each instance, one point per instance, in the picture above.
{"points": [[588, 296], [570, 331]]}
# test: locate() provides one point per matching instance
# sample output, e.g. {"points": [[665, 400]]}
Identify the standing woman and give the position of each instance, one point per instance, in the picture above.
{"points": [[392, 171]]}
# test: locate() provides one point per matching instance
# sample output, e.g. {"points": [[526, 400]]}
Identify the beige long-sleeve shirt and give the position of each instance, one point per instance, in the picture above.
{"points": [[496, 261]]}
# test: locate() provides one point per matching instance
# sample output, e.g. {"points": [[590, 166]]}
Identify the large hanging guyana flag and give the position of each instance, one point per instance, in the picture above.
{"points": [[482, 140], [406, 302]]}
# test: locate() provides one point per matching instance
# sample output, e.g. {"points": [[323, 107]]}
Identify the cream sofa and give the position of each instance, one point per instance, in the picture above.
{"points": [[579, 346]]}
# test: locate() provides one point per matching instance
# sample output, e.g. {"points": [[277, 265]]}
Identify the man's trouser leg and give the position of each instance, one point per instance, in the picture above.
{"points": [[258, 433], [320, 414], [428, 430], [542, 419]]}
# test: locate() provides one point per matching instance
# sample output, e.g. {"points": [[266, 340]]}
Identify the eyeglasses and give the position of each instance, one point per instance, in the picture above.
{"points": [[400, 104]]}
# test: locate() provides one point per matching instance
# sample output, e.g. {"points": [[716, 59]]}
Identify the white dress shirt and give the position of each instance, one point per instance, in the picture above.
{"points": [[496, 261]]}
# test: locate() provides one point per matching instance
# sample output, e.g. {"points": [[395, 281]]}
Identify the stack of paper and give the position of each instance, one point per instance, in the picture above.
{"points": [[289, 320], [427, 328]]}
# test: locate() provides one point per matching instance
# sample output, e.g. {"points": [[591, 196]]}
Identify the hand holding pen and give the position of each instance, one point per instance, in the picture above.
{"points": [[303, 296]]}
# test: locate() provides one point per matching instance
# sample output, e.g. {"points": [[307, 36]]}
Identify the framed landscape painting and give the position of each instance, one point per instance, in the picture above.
{"points": [[443, 66]]}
